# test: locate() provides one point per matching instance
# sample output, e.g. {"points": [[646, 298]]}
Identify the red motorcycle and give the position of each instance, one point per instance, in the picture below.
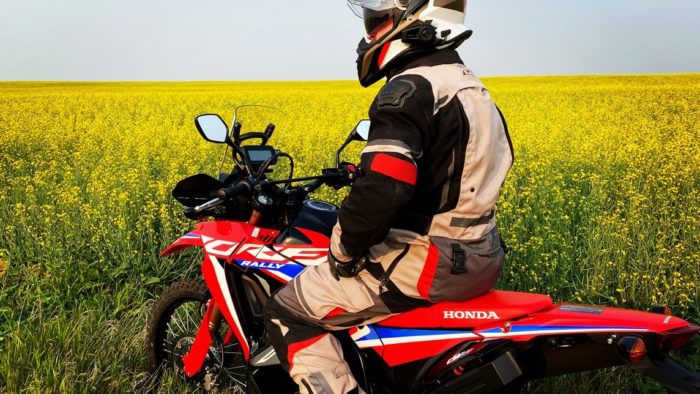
{"points": [[210, 331]]}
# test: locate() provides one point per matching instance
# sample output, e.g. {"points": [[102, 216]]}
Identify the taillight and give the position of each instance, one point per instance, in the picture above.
{"points": [[634, 349], [676, 339]]}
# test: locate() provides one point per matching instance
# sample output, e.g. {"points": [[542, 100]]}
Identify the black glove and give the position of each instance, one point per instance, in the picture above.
{"points": [[345, 175], [350, 171], [347, 269]]}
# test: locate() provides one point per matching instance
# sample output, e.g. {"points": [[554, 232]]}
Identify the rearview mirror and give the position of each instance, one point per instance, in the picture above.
{"points": [[212, 128], [361, 131]]}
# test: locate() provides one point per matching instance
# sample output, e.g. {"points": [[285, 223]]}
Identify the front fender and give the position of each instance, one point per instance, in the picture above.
{"points": [[215, 277], [185, 242]]}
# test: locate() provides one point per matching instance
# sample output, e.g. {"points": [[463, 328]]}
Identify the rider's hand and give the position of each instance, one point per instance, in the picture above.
{"points": [[342, 176], [347, 269], [350, 171]]}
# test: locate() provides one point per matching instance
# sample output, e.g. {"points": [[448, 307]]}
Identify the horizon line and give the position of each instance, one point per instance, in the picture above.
{"points": [[116, 81]]}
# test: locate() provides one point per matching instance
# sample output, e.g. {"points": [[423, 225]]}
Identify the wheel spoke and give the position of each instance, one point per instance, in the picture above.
{"points": [[176, 319], [190, 319], [238, 382]]}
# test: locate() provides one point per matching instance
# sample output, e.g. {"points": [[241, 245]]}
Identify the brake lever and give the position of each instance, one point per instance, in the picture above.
{"points": [[208, 205], [190, 212]]}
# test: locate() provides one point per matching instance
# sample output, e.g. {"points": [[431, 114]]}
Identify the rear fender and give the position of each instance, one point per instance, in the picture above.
{"points": [[572, 319]]}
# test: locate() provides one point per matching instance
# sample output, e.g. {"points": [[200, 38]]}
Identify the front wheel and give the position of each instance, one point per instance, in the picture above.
{"points": [[171, 330]]}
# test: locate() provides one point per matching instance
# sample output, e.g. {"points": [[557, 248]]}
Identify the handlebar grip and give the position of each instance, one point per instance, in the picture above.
{"points": [[231, 191]]}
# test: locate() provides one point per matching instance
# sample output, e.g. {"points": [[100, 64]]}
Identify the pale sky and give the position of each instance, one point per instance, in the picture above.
{"points": [[316, 39]]}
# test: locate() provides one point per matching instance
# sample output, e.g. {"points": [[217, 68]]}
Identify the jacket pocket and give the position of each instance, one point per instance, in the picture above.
{"points": [[465, 269]]}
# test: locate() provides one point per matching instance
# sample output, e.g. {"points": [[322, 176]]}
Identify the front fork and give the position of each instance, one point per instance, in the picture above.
{"points": [[215, 323], [194, 359], [215, 277], [221, 306], [215, 318]]}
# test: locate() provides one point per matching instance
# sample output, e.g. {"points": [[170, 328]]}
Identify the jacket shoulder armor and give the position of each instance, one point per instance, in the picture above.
{"points": [[395, 93]]}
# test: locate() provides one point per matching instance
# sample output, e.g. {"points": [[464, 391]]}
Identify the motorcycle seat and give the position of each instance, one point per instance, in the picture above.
{"points": [[491, 307]]}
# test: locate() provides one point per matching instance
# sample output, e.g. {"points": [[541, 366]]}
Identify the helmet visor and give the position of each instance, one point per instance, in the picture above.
{"points": [[359, 7], [375, 5], [378, 15]]}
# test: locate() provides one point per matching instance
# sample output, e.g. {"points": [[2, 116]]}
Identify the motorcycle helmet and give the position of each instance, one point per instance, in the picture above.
{"points": [[399, 28]]}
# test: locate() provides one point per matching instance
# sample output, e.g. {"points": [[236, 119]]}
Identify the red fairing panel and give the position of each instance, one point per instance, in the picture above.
{"points": [[185, 242], [221, 237], [489, 308], [318, 240]]}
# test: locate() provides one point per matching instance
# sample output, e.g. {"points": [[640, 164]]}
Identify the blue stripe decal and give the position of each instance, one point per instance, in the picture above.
{"points": [[370, 336], [498, 330], [289, 269], [388, 332]]}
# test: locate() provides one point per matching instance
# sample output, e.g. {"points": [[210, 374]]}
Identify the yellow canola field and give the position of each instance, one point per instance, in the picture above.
{"points": [[602, 205]]}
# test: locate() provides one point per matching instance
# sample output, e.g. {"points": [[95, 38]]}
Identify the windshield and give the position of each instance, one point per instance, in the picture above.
{"points": [[257, 118]]}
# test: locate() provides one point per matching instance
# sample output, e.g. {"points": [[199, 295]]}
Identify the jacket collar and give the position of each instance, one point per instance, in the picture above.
{"points": [[434, 58]]}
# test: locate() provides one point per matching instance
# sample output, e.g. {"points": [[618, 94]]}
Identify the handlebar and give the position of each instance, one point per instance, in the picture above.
{"points": [[334, 177], [240, 187], [223, 195]]}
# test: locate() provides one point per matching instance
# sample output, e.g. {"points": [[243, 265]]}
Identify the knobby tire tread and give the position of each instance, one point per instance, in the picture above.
{"points": [[187, 289]]}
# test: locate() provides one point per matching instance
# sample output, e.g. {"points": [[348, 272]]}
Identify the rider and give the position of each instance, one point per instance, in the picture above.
{"points": [[418, 225]]}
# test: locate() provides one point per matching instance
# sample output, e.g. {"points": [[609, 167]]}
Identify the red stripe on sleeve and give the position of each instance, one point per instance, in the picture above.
{"points": [[426, 276], [395, 168]]}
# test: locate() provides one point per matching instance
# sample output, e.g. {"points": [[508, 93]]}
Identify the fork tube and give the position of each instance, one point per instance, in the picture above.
{"points": [[255, 217], [215, 318]]}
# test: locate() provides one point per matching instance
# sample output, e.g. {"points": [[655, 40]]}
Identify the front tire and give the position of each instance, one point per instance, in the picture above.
{"points": [[171, 329]]}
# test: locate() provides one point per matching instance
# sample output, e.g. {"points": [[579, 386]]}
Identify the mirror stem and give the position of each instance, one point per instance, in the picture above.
{"points": [[236, 131], [342, 147]]}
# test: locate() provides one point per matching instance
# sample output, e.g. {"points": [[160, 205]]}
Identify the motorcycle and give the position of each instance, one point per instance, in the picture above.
{"points": [[210, 331]]}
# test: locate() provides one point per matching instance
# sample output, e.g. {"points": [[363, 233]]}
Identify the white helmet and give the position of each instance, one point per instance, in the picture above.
{"points": [[397, 28]]}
